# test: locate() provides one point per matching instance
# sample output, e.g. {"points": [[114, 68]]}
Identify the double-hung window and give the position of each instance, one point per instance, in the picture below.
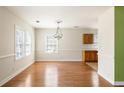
{"points": [[51, 45], [20, 37], [22, 43], [27, 43]]}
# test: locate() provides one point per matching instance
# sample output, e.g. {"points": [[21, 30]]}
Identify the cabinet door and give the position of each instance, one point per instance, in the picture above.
{"points": [[95, 56], [88, 38], [87, 56], [91, 56]]}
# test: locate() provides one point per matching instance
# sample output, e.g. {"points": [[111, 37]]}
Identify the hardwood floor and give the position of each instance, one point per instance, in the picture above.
{"points": [[58, 74]]}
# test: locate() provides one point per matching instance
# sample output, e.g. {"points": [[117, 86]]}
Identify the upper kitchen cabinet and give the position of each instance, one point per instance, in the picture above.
{"points": [[88, 39]]}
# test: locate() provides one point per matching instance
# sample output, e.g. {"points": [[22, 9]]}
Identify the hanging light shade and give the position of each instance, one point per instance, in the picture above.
{"points": [[58, 35]]}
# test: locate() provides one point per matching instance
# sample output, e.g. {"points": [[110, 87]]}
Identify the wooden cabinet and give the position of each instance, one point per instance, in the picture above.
{"points": [[90, 56], [88, 39]]}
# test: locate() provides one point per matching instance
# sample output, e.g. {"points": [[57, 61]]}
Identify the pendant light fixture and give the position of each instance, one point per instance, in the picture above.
{"points": [[58, 35]]}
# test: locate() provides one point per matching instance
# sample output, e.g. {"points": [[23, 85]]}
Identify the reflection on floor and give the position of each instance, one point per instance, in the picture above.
{"points": [[58, 74], [94, 65]]}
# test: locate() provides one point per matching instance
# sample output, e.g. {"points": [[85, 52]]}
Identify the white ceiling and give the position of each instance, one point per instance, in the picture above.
{"points": [[82, 16]]}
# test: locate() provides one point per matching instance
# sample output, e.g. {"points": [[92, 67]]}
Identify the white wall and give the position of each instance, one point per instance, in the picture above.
{"points": [[70, 46], [9, 67], [106, 45]]}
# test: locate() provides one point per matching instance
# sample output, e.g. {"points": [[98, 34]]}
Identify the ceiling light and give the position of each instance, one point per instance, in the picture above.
{"points": [[58, 35], [76, 26], [37, 21]]}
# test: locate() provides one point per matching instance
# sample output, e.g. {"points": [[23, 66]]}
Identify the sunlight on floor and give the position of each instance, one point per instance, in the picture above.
{"points": [[28, 80], [95, 79], [51, 76], [93, 65]]}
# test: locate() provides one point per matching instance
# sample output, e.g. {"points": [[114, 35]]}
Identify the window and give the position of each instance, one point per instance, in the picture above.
{"points": [[19, 43], [22, 43], [28, 44], [51, 44]]}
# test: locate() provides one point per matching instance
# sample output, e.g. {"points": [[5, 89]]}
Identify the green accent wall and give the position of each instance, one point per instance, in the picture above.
{"points": [[119, 43]]}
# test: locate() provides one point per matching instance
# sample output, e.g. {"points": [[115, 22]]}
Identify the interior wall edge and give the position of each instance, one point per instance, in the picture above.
{"points": [[106, 58], [110, 81]]}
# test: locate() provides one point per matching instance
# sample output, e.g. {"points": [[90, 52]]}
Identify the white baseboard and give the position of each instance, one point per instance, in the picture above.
{"points": [[13, 75], [119, 83], [110, 81], [58, 60]]}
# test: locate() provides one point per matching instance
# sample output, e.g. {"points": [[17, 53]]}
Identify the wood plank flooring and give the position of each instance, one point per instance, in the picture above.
{"points": [[58, 74]]}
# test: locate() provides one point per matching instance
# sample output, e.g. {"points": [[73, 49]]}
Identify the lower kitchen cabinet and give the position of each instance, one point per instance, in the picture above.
{"points": [[90, 56]]}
